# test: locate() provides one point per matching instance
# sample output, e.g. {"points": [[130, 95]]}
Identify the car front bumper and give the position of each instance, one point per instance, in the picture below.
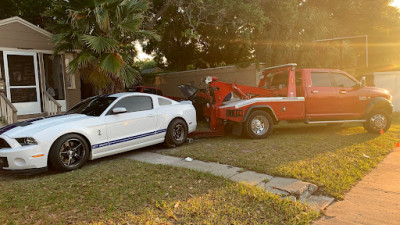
{"points": [[23, 158]]}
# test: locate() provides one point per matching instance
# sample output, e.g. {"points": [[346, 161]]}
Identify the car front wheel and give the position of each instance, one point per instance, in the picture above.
{"points": [[378, 121], [177, 132], [69, 152]]}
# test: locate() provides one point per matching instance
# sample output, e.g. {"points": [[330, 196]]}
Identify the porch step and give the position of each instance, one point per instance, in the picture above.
{"points": [[30, 116]]}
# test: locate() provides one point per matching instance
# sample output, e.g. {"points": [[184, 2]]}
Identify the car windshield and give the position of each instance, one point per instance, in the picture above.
{"points": [[94, 106]]}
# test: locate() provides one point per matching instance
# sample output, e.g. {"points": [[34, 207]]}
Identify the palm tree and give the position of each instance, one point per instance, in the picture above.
{"points": [[101, 32]]}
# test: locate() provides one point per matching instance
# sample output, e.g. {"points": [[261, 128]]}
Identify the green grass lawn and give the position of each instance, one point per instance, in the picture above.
{"points": [[334, 158], [129, 192]]}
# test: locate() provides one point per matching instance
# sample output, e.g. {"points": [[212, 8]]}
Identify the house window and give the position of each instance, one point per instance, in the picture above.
{"points": [[54, 76]]}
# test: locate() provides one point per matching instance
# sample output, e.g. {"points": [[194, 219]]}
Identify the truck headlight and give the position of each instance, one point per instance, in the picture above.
{"points": [[26, 141]]}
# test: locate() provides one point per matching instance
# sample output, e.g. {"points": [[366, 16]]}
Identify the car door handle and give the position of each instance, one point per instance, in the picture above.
{"points": [[315, 92], [151, 115], [343, 92]]}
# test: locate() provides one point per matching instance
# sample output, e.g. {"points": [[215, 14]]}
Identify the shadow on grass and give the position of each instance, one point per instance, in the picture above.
{"points": [[288, 143], [127, 191]]}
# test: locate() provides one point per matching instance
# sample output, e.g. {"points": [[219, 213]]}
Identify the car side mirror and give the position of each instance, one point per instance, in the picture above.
{"points": [[119, 110], [363, 81]]}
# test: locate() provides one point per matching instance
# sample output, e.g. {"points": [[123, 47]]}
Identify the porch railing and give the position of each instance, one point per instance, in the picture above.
{"points": [[8, 111], [50, 105]]}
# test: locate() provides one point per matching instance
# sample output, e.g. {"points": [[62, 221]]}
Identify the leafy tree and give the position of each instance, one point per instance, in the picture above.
{"points": [[101, 32], [30, 10], [291, 31], [377, 19], [204, 33]]}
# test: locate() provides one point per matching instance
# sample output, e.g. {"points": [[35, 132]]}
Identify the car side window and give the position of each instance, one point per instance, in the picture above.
{"points": [[320, 79], [162, 101], [342, 80], [135, 103]]}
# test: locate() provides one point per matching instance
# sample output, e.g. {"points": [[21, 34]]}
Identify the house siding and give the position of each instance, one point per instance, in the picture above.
{"points": [[16, 35], [390, 81]]}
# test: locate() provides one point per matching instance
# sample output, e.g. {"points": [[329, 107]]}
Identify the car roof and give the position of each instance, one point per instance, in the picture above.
{"points": [[117, 95], [122, 94]]}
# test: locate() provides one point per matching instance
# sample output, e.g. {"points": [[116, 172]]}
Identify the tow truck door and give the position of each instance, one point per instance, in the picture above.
{"points": [[322, 98], [353, 100]]}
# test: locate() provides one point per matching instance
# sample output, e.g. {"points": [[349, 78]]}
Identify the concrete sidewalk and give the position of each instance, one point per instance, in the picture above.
{"points": [[293, 189], [374, 200]]}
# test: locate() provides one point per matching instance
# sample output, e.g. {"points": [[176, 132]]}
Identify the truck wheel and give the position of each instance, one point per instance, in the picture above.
{"points": [[377, 121], [259, 125], [177, 132]]}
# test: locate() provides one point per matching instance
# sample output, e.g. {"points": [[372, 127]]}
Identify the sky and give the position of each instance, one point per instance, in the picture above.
{"points": [[142, 56], [396, 3]]}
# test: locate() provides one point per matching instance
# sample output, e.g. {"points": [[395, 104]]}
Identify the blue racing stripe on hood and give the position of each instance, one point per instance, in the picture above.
{"points": [[7, 128], [24, 123]]}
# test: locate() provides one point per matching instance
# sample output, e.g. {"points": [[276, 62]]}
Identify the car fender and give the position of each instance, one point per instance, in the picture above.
{"points": [[170, 112], [379, 103], [50, 135]]}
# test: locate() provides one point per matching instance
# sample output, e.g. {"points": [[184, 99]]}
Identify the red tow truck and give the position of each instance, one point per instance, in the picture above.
{"points": [[310, 96]]}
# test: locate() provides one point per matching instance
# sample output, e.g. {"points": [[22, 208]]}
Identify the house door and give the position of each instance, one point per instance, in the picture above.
{"points": [[22, 81]]}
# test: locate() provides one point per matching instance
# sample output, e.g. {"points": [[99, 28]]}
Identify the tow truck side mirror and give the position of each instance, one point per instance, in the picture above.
{"points": [[363, 81]]}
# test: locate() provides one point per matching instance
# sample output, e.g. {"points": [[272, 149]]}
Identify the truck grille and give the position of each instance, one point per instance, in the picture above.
{"points": [[4, 144]]}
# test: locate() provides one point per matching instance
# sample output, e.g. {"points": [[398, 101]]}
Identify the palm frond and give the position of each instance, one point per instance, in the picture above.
{"points": [[103, 31], [99, 43], [131, 24], [73, 66], [102, 18], [135, 6], [98, 78], [111, 62], [128, 75]]}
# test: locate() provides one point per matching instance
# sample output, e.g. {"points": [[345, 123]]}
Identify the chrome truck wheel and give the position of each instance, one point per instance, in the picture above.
{"points": [[259, 124], [377, 121]]}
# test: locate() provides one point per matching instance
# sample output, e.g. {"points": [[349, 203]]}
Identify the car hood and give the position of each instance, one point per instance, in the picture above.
{"points": [[28, 128]]}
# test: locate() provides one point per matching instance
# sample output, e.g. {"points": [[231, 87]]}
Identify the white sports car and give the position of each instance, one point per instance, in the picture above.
{"points": [[96, 127]]}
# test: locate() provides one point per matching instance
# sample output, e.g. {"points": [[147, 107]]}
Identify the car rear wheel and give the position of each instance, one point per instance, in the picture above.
{"points": [[69, 152], [378, 121], [259, 125], [177, 132]]}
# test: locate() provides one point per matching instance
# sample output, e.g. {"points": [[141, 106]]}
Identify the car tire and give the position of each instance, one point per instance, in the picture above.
{"points": [[177, 133], [258, 125], [378, 120], [68, 152]]}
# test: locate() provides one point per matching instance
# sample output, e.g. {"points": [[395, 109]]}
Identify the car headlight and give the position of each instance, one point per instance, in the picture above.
{"points": [[26, 141]]}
